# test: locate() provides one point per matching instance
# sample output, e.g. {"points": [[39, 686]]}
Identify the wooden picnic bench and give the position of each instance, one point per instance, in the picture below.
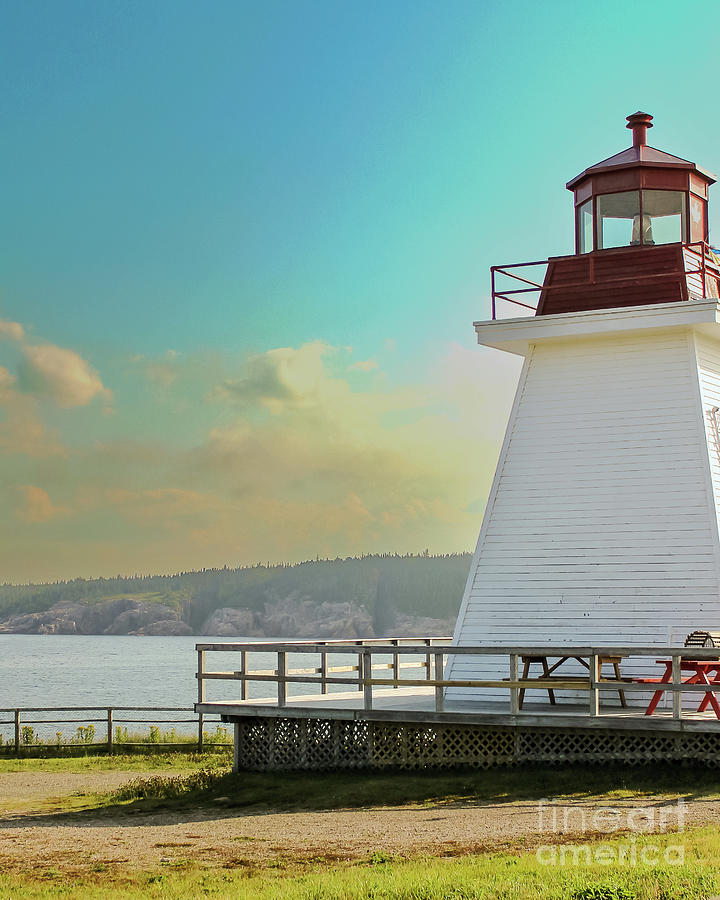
{"points": [[547, 674]]}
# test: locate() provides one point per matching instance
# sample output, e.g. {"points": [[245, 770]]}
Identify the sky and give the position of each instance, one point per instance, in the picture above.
{"points": [[242, 246]]}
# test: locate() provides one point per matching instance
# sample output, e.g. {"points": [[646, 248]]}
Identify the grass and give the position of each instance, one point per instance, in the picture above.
{"points": [[189, 779], [499, 876], [85, 740], [182, 780], [119, 762], [295, 791]]}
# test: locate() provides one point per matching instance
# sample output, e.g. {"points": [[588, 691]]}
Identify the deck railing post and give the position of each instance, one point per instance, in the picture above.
{"points": [[361, 677], [428, 667], [200, 676], [17, 730], [396, 662], [323, 672], [677, 687], [366, 668], [594, 689], [439, 689], [282, 677], [110, 729], [201, 696], [514, 678], [244, 670]]}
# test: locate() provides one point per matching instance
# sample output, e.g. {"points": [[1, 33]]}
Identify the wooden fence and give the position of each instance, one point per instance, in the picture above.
{"points": [[108, 717]]}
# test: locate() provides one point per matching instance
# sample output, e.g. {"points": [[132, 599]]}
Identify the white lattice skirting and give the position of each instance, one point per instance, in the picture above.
{"points": [[281, 744]]}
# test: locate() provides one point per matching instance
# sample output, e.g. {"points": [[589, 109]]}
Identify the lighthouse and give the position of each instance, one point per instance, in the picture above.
{"points": [[601, 526]]}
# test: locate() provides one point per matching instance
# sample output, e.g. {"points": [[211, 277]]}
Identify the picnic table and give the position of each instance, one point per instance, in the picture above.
{"points": [[699, 669], [547, 673]]}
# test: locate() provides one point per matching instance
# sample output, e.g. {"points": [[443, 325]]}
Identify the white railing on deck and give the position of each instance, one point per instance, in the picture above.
{"points": [[364, 675]]}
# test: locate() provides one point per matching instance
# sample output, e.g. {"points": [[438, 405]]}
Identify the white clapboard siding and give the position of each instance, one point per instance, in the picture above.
{"points": [[708, 361], [602, 523]]}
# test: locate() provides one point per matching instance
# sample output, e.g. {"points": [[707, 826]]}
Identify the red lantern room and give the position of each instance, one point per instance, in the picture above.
{"points": [[640, 197], [641, 232]]}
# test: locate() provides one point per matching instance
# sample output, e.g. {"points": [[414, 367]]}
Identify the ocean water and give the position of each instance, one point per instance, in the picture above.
{"points": [[125, 670], [97, 670]]}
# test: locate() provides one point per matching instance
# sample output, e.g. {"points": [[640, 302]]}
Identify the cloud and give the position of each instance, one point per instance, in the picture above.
{"points": [[162, 371], [279, 379], [315, 463], [12, 330], [35, 506], [297, 457], [60, 374], [7, 383], [365, 365], [21, 430]]}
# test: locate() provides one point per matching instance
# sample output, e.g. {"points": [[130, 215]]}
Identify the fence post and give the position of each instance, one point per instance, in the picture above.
{"points": [[677, 689], [514, 678], [439, 689], [428, 666], [366, 669], [110, 730], [282, 673], [396, 662], [17, 730]]}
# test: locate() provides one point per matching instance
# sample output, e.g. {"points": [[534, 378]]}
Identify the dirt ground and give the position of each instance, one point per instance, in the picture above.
{"points": [[31, 837]]}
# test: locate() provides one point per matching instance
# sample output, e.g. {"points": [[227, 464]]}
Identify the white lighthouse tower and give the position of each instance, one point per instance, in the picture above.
{"points": [[602, 523]]}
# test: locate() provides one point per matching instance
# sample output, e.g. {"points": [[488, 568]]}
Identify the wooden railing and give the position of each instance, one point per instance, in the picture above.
{"points": [[323, 675], [364, 675], [20, 718]]}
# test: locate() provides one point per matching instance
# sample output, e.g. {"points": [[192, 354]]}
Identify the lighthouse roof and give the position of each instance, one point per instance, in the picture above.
{"points": [[643, 155]]}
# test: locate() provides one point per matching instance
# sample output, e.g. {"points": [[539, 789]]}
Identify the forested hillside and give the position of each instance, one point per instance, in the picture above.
{"points": [[362, 594]]}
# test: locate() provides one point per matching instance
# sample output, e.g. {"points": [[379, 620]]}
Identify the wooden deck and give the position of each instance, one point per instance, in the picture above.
{"points": [[371, 710], [417, 705]]}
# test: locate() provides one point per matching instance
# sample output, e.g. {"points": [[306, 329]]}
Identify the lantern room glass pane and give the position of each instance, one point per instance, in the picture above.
{"points": [[664, 217], [618, 219], [697, 219], [585, 227]]}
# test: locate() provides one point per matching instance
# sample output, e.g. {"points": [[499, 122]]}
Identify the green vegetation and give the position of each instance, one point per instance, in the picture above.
{"points": [[517, 875], [201, 778], [338, 790], [575, 871], [120, 762], [384, 584], [86, 739]]}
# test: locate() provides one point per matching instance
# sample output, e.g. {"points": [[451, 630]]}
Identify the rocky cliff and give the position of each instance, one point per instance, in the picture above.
{"points": [[291, 617], [116, 615]]}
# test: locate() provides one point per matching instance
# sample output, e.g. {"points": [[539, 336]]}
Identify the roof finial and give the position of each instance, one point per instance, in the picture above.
{"points": [[639, 122]]}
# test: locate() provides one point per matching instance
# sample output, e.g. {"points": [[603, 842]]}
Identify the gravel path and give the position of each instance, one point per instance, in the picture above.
{"points": [[30, 838]]}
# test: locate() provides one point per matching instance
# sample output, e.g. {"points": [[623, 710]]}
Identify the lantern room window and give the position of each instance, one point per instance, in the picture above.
{"points": [[585, 229], [618, 219], [634, 218], [666, 216]]}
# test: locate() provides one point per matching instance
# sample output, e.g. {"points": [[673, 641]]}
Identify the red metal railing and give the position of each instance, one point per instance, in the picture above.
{"points": [[707, 263]]}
